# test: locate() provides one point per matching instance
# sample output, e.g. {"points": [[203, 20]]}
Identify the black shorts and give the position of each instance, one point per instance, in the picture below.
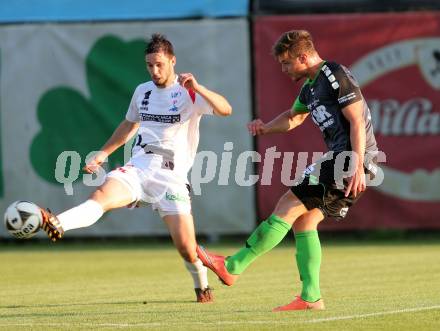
{"points": [[323, 187]]}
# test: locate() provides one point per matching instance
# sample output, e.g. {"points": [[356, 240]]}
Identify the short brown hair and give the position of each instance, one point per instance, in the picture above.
{"points": [[294, 42], [159, 43]]}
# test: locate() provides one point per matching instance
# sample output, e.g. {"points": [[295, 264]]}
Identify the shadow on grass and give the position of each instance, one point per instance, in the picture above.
{"points": [[80, 304]]}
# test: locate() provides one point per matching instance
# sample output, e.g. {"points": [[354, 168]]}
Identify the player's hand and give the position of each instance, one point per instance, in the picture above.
{"points": [[257, 127], [93, 165], [357, 183], [188, 81]]}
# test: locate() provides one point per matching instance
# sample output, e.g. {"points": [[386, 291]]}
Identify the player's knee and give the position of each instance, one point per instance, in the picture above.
{"points": [[96, 195], [308, 221], [99, 197], [301, 225]]}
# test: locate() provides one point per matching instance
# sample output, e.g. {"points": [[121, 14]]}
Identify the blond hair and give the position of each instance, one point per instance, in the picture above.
{"points": [[294, 42]]}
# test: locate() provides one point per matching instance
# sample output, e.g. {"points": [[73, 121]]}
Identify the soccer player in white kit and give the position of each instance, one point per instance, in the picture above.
{"points": [[165, 113]]}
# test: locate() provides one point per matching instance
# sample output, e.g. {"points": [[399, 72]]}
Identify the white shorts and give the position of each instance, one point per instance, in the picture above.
{"points": [[150, 183]]}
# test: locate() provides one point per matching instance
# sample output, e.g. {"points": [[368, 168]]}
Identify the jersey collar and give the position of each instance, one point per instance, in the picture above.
{"points": [[312, 81]]}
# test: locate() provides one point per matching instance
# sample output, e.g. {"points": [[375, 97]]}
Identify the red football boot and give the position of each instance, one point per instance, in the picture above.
{"points": [[300, 304], [217, 264]]}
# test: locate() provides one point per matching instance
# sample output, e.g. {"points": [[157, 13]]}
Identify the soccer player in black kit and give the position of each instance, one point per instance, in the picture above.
{"points": [[330, 186]]}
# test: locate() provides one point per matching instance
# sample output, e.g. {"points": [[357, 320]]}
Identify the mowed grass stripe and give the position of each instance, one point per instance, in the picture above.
{"points": [[366, 286], [319, 320]]}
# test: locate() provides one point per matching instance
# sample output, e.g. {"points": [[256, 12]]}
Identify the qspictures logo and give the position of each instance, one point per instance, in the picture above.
{"points": [[407, 118]]}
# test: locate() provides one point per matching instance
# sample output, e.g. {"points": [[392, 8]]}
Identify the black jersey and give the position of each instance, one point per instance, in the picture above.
{"points": [[324, 97]]}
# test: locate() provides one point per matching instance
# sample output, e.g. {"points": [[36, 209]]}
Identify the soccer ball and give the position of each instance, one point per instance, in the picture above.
{"points": [[23, 219]]}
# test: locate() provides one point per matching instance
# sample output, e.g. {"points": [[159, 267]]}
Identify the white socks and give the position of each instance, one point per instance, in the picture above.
{"points": [[81, 216], [199, 274]]}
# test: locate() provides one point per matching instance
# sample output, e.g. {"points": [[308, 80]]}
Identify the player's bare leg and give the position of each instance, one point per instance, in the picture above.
{"points": [[267, 235], [181, 228], [289, 208], [308, 221], [308, 259], [112, 194]]}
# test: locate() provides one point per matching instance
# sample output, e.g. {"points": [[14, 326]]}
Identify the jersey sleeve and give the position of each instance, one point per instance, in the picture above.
{"points": [[347, 87], [299, 106], [133, 111], [202, 106]]}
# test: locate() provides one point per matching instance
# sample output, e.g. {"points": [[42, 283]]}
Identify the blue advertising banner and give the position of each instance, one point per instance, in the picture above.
{"points": [[104, 10]]}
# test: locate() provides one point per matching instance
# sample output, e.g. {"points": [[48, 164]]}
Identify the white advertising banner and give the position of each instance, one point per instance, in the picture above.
{"points": [[65, 87]]}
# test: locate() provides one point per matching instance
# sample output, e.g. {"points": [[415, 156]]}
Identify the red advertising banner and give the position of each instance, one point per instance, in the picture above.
{"points": [[396, 59]]}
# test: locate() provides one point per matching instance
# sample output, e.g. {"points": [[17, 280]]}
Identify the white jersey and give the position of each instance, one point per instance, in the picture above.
{"points": [[169, 124]]}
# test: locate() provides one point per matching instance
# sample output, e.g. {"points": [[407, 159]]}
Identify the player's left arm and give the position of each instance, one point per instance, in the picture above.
{"points": [[351, 101], [219, 104], [354, 114]]}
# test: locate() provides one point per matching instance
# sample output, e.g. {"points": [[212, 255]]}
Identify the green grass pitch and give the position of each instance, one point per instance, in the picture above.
{"points": [[115, 286]]}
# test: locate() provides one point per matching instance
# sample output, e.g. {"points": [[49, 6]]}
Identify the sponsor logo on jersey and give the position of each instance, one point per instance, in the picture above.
{"points": [[160, 118], [312, 105], [174, 108], [145, 102], [347, 97], [174, 96], [322, 117]]}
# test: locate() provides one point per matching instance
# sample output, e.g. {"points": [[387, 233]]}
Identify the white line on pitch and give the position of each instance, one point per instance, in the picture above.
{"points": [[392, 312], [159, 324]]}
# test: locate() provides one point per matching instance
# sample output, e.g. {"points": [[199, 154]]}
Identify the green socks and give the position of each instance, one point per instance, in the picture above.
{"points": [[269, 234], [308, 259], [265, 237]]}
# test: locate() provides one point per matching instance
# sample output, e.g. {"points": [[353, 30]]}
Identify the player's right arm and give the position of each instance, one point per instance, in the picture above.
{"points": [[284, 122], [123, 133]]}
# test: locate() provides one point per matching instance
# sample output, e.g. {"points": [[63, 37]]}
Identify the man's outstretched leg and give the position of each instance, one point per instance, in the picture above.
{"points": [[308, 259], [265, 237], [112, 194], [181, 228]]}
